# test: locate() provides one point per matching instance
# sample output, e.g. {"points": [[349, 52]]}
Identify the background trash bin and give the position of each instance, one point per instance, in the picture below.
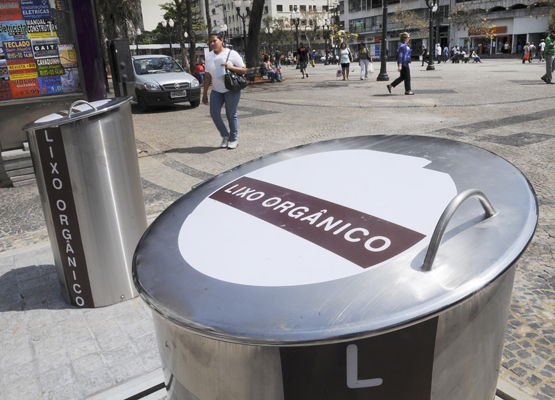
{"points": [[320, 272], [90, 187]]}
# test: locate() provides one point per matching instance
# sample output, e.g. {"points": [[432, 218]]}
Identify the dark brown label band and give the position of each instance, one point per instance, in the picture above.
{"points": [[358, 237], [64, 216]]}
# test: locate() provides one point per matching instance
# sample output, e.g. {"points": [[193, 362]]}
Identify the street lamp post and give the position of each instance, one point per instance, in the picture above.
{"points": [[296, 20], [432, 5], [168, 26], [383, 67], [335, 11], [186, 37], [269, 38], [244, 16], [137, 40]]}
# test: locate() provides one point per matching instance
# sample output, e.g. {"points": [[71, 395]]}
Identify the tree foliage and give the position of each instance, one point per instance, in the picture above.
{"points": [[179, 11], [474, 20], [282, 37], [119, 19], [408, 20]]}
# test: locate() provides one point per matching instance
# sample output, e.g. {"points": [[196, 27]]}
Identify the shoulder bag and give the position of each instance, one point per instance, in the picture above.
{"points": [[234, 81]]}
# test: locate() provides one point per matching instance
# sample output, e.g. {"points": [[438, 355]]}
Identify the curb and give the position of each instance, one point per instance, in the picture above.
{"points": [[506, 391]]}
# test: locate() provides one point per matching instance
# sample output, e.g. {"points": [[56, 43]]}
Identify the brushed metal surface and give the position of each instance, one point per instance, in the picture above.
{"points": [[474, 252], [197, 367], [104, 171], [469, 343]]}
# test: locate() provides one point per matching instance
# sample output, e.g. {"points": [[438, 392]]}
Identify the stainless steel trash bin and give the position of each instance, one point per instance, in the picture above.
{"points": [[90, 187], [376, 267]]}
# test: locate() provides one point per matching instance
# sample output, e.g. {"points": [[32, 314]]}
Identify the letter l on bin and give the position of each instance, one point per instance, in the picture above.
{"points": [[376, 267], [90, 187]]}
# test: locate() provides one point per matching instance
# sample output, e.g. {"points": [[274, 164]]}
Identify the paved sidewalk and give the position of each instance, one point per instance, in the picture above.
{"points": [[51, 350]]}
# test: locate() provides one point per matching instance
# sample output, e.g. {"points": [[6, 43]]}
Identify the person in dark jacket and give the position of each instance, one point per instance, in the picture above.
{"points": [[403, 60]]}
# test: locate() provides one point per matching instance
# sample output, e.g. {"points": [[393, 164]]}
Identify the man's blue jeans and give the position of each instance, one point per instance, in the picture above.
{"points": [[231, 101]]}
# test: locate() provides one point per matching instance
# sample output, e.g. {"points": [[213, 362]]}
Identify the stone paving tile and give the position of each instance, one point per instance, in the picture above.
{"points": [[38, 328]]}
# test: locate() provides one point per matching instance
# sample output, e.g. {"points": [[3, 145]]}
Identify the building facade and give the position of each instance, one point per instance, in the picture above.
{"points": [[515, 23]]}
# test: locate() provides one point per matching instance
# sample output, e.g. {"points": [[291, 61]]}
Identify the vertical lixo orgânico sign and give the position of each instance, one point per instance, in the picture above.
{"points": [[64, 216]]}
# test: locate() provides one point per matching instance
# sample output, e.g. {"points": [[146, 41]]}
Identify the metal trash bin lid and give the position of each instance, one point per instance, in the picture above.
{"points": [[225, 261], [78, 110]]}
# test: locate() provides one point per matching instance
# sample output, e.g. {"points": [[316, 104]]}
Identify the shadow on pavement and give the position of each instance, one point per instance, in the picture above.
{"points": [[31, 288], [193, 150]]}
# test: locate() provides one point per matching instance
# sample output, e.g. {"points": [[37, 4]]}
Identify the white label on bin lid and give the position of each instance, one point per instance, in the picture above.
{"points": [[315, 218]]}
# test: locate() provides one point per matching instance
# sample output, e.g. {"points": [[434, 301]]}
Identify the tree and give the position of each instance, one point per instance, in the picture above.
{"points": [[179, 11], [341, 35], [408, 20], [282, 37], [255, 23], [119, 19], [313, 20], [474, 20]]}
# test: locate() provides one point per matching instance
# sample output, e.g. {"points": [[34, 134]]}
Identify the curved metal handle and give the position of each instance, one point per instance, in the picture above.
{"points": [[80, 102], [441, 226]]}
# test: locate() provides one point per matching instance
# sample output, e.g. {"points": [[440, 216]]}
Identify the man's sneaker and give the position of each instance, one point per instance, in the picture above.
{"points": [[307, 75], [233, 144], [225, 141], [543, 78]]}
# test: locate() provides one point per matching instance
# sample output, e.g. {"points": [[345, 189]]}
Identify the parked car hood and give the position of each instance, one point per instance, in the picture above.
{"points": [[163, 78]]}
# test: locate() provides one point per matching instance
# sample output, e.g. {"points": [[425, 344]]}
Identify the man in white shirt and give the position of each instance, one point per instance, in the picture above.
{"points": [[438, 53], [542, 49]]}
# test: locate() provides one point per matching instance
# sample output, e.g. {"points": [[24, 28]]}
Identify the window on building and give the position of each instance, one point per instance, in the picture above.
{"points": [[291, 7], [355, 5], [265, 9], [279, 7], [303, 8], [325, 8], [342, 7]]}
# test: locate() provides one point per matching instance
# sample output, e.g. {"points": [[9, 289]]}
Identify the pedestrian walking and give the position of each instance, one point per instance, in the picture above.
{"points": [[403, 60], [438, 53], [549, 56], [424, 55], [218, 62], [445, 54], [526, 56], [346, 59], [365, 59], [542, 49], [302, 59]]}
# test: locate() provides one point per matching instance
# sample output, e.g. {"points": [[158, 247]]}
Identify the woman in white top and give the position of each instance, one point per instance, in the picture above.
{"points": [[217, 64]]}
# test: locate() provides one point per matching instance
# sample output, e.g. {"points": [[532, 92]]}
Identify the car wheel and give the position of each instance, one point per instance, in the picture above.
{"points": [[142, 103], [195, 103]]}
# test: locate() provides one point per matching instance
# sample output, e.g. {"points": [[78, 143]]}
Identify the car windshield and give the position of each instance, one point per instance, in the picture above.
{"points": [[156, 65]]}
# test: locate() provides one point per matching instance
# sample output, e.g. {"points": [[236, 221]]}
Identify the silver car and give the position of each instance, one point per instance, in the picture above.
{"points": [[159, 80]]}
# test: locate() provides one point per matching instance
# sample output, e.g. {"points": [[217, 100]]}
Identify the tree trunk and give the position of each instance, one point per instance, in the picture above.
{"points": [[255, 23], [179, 11], [192, 37], [208, 19]]}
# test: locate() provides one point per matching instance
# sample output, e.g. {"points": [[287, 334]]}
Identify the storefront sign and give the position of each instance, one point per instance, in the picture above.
{"points": [[49, 67], [51, 84], [70, 80], [64, 216], [22, 69], [5, 90], [68, 55], [41, 28], [10, 11], [3, 70], [46, 47], [25, 87], [13, 30], [33, 9], [18, 50]]}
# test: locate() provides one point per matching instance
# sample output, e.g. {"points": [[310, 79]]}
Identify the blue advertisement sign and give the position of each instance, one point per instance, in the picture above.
{"points": [[13, 30], [34, 9], [377, 50], [50, 84]]}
